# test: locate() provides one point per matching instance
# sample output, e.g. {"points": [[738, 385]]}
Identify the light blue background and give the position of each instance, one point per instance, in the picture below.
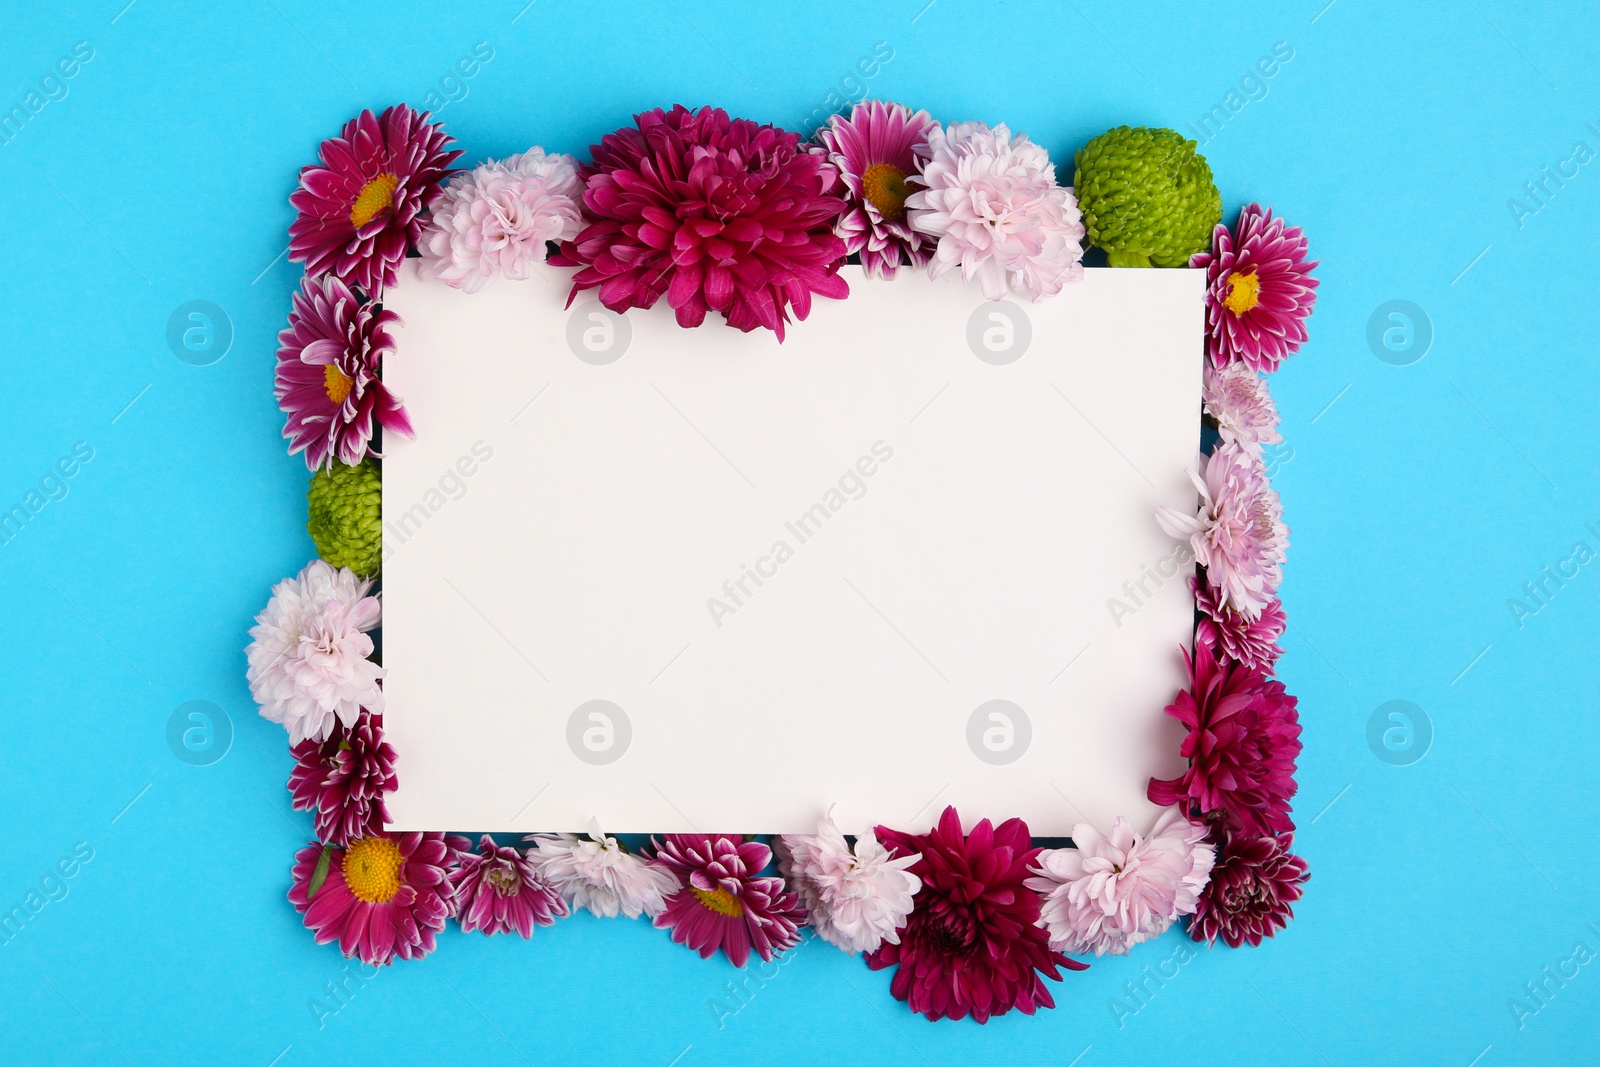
{"points": [[1421, 498]]}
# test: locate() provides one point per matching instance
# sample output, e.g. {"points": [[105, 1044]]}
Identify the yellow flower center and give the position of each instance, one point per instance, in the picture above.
{"points": [[884, 186], [375, 196], [719, 900], [337, 383], [372, 869], [1244, 293]]}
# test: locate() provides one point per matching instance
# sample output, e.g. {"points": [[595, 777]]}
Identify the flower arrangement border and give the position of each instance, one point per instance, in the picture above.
{"points": [[726, 216]]}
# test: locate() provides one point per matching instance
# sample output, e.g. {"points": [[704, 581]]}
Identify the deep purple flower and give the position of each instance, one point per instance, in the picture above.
{"points": [[499, 891], [344, 779], [717, 214], [327, 380], [1252, 886], [1233, 635], [358, 210], [723, 903], [1259, 290], [875, 151]]}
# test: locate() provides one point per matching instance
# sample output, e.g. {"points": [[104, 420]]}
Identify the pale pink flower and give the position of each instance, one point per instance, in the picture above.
{"points": [[1238, 533], [308, 656], [991, 199], [496, 219], [855, 900], [1113, 891], [597, 873], [1239, 399]]}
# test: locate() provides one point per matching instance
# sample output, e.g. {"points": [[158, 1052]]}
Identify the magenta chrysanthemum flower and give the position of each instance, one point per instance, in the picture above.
{"points": [[499, 891], [1252, 886], [344, 779], [358, 210], [991, 199], [1241, 403], [1259, 290], [1238, 533], [1244, 738], [972, 945], [723, 903], [1253, 642], [327, 380], [718, 214], [875, 151], [381, 897]]}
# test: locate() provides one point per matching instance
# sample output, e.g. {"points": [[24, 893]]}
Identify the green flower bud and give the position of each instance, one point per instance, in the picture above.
{"points": [[345, 505], [1147, 197]]}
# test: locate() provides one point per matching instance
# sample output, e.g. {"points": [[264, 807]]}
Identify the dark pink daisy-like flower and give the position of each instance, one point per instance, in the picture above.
{"points": [[344, 779], [359, 209], [1233, 635], [718, 214], [1259, 290], [1252, 886], [327, 381], [500, 891], [875, 151], [972, 945], [723, 904], [1244, 738], [382, 897]]}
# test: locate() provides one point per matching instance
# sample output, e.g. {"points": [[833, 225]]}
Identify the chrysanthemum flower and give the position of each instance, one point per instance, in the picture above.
{"points": [[358, 210], [344, 509], [308, 653], [991, 199], [1259, 290], [717, 214], [381, 897], [1148, 198], [1243, 741], [1228, 634], [855, 900], [875, 151], [498, 891], [344, 778], [327, 380], [723, 903], [1112, 892], [1252, 888], [972, 944], [496, 218], [1238, 534], [597, 873], [1241, 403]]}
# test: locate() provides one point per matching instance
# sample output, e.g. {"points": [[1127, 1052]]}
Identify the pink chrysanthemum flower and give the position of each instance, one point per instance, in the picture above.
{"points": [[1112, 892], [1243, 741], [1252, 642], [308, 655], [875, 151], [498, 891], [1238, 534], [343, 779], [855, 900], [1259, 290], [358, 210], [717, 214], [382, 897], [990, 198], [972, 945], [1241, 403], [1252, 888], [496, 218], [327, 381], [723, 903], [598, 874]]}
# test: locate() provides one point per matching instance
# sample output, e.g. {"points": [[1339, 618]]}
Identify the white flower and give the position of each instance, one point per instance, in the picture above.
{"points": [[1239, 399], [991, 199], [1111, 893], [596, 873], [308, 653], [855, 901], [496, 219]]}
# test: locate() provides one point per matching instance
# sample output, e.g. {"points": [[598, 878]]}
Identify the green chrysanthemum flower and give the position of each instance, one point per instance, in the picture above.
{"points": [[346, 516], [1147, 197]]}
